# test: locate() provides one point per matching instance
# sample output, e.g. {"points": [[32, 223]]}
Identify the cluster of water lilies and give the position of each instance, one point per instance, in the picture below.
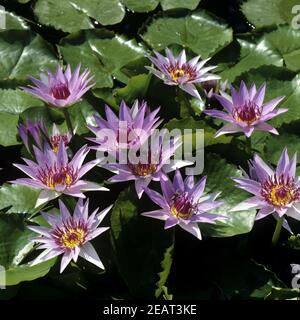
{"points": [[182, 201]]}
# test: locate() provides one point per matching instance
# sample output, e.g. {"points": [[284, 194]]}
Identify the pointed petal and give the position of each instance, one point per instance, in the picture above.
{"points": [[88, 252], [192, 228]]}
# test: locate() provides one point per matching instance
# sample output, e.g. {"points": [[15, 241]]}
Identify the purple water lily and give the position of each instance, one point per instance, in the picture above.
{"points": [[153, 163], [70, 235], [33, 130], [54, 174], [61, 89], [214, 87], [56, 137], [184, 204], [275, 192], [246, 110], [177, 71], [133, 126], [36, 133]]}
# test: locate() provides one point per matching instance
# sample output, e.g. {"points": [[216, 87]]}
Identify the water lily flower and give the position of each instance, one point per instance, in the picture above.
{"points": [[70, 235], [133, 126], [178, 71], [56, 137], [158, 162], [33, 130], [38, 131], [246, 110], [54, 174], [61, 89], [275, 192], [214, 87], [183, 203]]}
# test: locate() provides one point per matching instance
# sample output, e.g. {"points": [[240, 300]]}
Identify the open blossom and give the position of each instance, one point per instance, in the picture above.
{"points": [[36, 133], [178, 71], [54, 174], [183, 203], [128, 130], [61, 89], [275, 192], [154, 162], [246, 110], [70, 235]]}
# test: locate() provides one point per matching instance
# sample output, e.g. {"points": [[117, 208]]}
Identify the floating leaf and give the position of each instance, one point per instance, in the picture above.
{"points": [[174, 4], [19, 198], [219, 174], [142, 247], [186, 32], [27, 54], [101, 51]]}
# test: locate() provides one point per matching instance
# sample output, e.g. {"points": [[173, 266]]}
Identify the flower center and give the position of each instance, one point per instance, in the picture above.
{"points": [[143, 170], [280, 191], [247, 113], [55, 141], [177, 72], [181, 207], [63, 176], [60, 91], [73, 237]]}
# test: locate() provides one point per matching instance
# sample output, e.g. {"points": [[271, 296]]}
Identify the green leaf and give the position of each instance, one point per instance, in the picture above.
{"points": [[291, 103], [81, 115], [294, 242], [190, 123], [25, 272], [165, 31], [141, 6], [276, 144], [251, 280], [17, 101], [9, 132], [27, 55], [19, 198], [142, 247], [278, 11], [136, 88], [101, 51], [252, 56], [283, 294], [286, 41], [219, 174], [12, 21], [174, 4], [12, 103], [14, 239], [72, 16], [61, 15]]}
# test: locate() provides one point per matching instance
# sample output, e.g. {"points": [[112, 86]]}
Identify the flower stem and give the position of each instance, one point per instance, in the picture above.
{"points": [[248, 147], [68, 121], [277, 231]]}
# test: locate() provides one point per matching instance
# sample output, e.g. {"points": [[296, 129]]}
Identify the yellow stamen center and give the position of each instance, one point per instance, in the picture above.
{"points": [[73, 238], [281, 196], [177, 214], [177, 73]]}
